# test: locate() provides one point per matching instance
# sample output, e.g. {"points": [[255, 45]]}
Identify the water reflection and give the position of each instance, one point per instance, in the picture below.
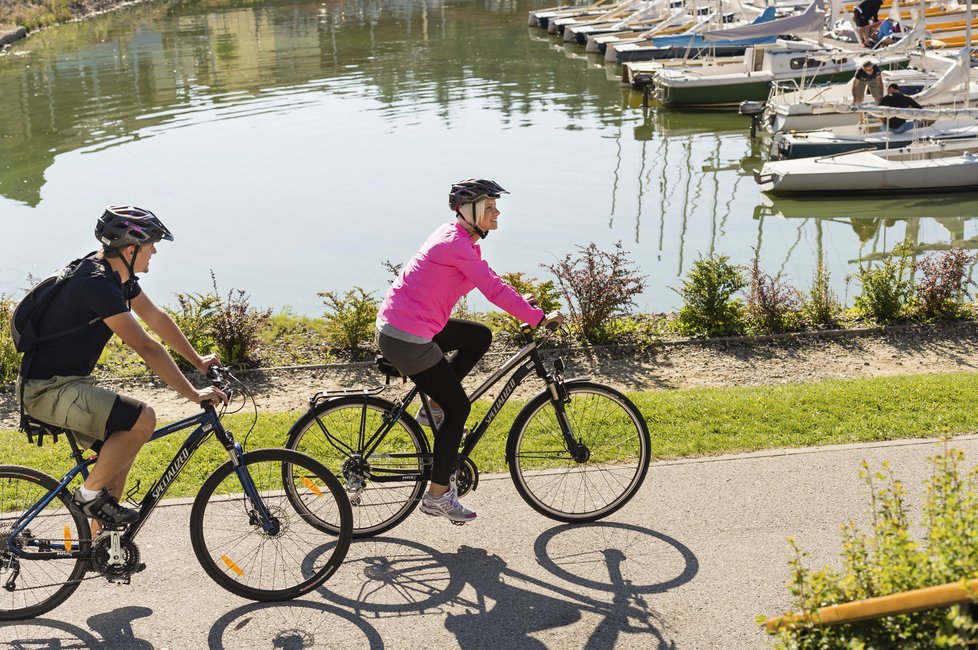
{"points": [[324, 133]]}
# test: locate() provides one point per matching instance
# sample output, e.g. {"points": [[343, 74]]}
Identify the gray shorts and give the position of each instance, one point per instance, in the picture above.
{"points": [[409, 358], [74, 403]]}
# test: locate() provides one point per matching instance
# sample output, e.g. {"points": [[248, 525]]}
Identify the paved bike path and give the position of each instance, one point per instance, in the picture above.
{"points": [[688, 564]]}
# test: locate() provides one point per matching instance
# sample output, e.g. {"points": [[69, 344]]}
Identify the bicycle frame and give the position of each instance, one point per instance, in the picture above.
{"points": [[524, 361], [206, 422]]}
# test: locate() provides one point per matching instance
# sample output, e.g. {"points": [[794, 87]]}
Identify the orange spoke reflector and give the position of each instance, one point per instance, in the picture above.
{"points": [[312, 486], [231, 565], [67, 538]]}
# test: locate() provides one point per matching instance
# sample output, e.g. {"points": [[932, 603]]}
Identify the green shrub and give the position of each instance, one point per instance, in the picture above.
{"points": [[236, 328], [291, 339], [772, 305], [943, 287], [820, 306], [889, 558], [598, 287], [351, 316], [195, 315], [709, 307], [9, 357], [548, 299], [887, 288]]}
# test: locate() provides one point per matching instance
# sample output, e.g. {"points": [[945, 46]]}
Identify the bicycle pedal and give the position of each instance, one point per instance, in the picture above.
{"points": [[118, 580], [457, 523], [140, 568]]}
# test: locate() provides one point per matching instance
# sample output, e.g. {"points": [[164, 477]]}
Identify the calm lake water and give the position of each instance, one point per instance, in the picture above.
{"points": [[295, 147]]}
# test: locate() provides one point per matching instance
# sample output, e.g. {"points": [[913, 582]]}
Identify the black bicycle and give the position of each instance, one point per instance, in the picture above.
{"points": [[577, 452], [254, 525]]}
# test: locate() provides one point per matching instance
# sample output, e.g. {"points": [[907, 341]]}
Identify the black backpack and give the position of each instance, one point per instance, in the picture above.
{"points": [[27, 315], [26, 319]]}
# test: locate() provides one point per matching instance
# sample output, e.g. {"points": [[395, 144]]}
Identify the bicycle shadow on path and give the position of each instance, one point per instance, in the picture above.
{"points": [[292, 625], [113, 629], [602, 571]]}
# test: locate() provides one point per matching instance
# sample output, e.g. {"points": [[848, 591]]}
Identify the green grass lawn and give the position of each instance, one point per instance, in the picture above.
{"points": [[683, 423]]}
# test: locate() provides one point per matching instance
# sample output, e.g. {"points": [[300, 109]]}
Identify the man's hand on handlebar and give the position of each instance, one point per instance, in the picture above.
{"points": [[211, 394], [207, 361]]}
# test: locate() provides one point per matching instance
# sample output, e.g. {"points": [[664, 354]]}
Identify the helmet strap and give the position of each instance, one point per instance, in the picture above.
{"points": [[131, 282], [479, 231]]}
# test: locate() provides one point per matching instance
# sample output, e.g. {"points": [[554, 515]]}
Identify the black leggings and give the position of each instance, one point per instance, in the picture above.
{"points": [[443, 383]]}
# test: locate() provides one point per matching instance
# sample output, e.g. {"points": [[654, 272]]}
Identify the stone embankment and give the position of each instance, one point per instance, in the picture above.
{"points": [[9, 34]]}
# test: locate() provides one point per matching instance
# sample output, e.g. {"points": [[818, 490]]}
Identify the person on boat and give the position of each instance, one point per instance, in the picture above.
{"points": [[864, 15], [414, 328], [94, 304], [896, 99], [868, 76]]}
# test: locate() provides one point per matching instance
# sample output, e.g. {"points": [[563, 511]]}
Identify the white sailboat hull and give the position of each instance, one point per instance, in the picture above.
{"points": [[917, 168]]}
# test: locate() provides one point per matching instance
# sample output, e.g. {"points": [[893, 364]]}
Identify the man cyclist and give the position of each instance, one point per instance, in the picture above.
{"points": [[58, 385]]}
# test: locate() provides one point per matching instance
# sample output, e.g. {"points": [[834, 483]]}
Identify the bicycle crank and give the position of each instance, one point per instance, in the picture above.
{"points": [[116, 557], [466, 479]]}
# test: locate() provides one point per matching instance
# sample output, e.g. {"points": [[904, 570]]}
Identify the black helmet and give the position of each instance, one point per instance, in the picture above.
{"points": [[471, 190], [127, 225]]}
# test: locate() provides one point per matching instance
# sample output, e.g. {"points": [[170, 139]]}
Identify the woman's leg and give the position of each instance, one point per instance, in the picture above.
{"points": [[441, 384], [470, 340]]}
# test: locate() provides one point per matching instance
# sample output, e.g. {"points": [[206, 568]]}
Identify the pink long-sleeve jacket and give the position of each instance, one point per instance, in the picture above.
{"points": [[448, 266]]}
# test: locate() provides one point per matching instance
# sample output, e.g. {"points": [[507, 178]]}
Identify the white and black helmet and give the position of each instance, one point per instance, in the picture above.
{"points": [[127, 225], [471, 190]]}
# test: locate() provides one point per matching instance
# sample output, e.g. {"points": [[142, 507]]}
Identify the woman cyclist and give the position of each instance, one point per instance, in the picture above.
{"points": [[414, 328]]}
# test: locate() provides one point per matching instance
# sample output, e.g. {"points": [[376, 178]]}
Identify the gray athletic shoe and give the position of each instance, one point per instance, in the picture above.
{"points": [[105, 508], [437, 414], [447, 505]]}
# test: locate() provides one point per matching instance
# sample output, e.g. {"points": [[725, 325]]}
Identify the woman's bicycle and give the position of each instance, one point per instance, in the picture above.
{"points": [[254, 524], [577, 452]]}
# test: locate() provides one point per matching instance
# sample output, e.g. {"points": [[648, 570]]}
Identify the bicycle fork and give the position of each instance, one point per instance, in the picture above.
{"points": [[259, 515], [558, 394]]}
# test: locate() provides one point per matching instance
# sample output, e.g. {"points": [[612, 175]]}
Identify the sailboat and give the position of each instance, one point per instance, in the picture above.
{"points": [[922, 166]]}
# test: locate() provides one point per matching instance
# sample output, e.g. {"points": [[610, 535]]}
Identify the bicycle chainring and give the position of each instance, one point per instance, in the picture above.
{"points": [[128, 562], [466, 477]]}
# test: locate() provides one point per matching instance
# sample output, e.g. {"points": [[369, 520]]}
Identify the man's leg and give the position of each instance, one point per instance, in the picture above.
{"points": [[118, 453]]}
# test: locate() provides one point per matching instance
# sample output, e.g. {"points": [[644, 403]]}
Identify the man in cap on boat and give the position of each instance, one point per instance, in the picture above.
{"points": [[868, 76]]}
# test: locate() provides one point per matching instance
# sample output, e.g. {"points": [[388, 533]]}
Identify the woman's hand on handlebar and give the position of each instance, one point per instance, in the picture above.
{"points": [[552, 321], [530, 298]]}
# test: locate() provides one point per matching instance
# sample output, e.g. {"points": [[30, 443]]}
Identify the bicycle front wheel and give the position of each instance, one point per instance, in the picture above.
{"points": [[385, 482], [603, 475], [32, 587], [283, 555]]}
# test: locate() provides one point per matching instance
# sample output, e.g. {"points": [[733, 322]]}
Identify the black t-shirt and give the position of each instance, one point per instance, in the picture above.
{"points": [[83, 298], [870, 9], [898, 100], [862, 75]]}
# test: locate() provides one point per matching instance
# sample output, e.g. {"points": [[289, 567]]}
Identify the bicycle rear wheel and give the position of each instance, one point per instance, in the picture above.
{"points": [[31, 587], [385, 486], [596, 484], [294, 556]]}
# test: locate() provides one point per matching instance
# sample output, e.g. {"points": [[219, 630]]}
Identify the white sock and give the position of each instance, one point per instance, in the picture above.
{"points": [[86, 494]]}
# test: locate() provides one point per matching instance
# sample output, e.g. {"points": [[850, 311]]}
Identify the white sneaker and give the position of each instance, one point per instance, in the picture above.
{"points": [[436, 413], [447, 505]]}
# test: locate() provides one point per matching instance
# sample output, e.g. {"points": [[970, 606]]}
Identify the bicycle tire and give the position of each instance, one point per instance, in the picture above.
{"points": [[53, 580], [556, 485], [240, 556], [377, 507]]}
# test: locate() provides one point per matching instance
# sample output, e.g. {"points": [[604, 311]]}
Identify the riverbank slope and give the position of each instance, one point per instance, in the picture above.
{"points": [[811, 357], [19, 17]]}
